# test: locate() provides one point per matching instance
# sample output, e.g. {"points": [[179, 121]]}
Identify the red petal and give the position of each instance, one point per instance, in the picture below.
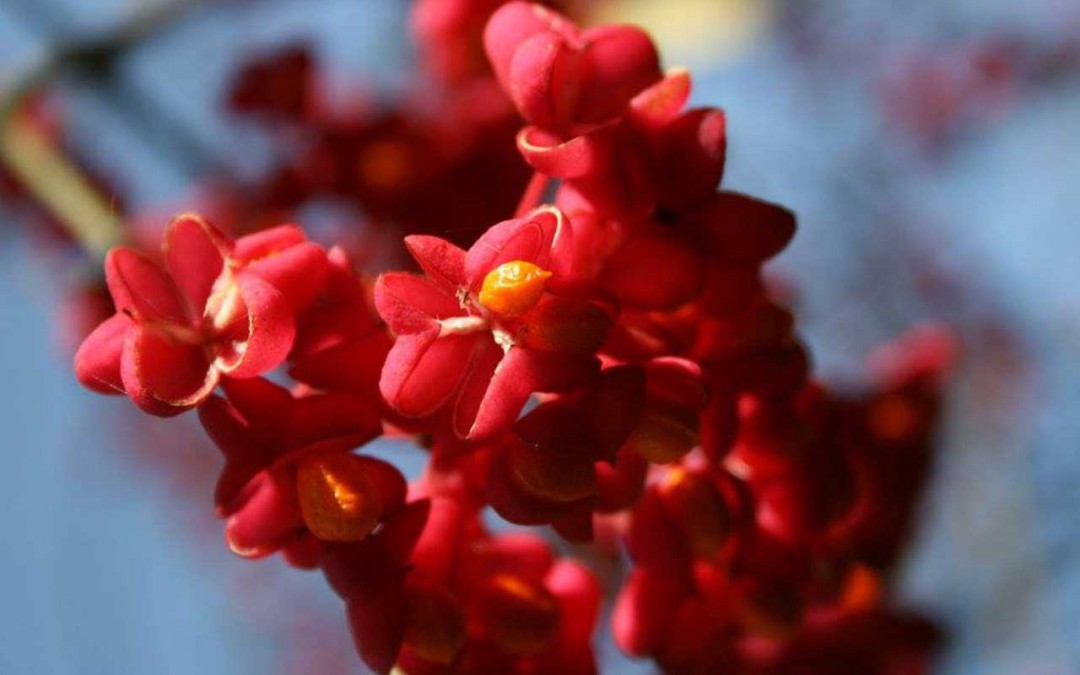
{"points": [[269, 519], [400, 533], [615, 406], [441, 261], [644, 612], [663, 101], [387, 482], [514, 506], [551, 473], [244, 455], [677, 381], [352, 366], [140, 286], [595, 239], [251, 247], [576, 525], [410, 304], [326, 417], [299, 272], [580, 594], [545, 80], [568, 160], [162, 377], [303, 553], [530, 239], [271, 330], [688, 156], [377, 623], [262, 404], [566, 324], [653, 270], [195, 252], [729, 289], [619, 487], [520, 554], [422, 371], [498, 387], [513, 24], [653, 540], [97, 363], [436, 551], [357, 570], [624, 189], [621, 62], [740, 228], [476, 393]]}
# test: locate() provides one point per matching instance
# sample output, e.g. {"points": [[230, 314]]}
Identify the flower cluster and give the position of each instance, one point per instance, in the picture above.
{"points": [[610, 364]]}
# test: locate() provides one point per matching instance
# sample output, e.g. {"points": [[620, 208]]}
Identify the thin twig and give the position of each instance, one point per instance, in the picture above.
{"points": [[45, 172]]}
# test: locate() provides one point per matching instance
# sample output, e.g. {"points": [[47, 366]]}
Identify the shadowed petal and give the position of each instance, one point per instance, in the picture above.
{"points": [[513, 24], [244, 455], [545, 80], [499, 386], [440, 260], [352, 366], [412, 304], [654, 271], [422, 371], [195, 253], [529, 239], [97, 363], [644, 612], [251, 247], [271, 330], [299, 272], [663, 101], [740, 228], [325, 417], [621, 62], [162, 377], [377, 622], [269, 518], [140, 286]]}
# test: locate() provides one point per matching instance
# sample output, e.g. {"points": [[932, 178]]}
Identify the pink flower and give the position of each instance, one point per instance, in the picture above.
{"points": [[561, 77], [483, 330], [216, 308]]}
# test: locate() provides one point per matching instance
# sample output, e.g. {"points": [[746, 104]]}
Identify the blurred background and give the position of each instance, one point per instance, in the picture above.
{"points": [[931, 150]]}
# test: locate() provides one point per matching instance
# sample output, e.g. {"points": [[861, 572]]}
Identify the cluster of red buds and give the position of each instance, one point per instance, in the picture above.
{"points": [[673, 411], [440, 158]]}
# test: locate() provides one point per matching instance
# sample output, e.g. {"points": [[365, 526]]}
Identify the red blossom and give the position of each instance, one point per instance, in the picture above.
{"points": [[675, 412], [215, 309], [485, 359]]}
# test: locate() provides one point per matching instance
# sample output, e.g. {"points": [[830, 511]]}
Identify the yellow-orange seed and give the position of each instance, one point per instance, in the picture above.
{"points": [[336, 499], [862, 589], [665, 435], [698, 509], [519, 617], [513, 288]]}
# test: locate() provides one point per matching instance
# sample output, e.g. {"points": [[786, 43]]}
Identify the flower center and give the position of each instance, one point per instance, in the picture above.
{"points": [[336, 500], [513, 288]]}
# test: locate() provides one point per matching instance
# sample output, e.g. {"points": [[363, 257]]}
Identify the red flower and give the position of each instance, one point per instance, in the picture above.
{"points": [[561, 77], [561, 460], [288, 470], [486, 329], [216, 308], [341, 343], [278, 85], [760, 513]]}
